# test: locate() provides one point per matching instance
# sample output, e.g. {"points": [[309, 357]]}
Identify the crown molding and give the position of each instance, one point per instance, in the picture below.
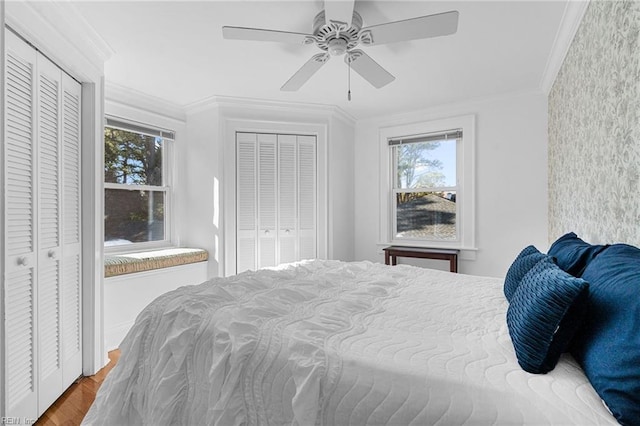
{"points": [[133, 98], [572, 17], [213, 102], [58, 30]]}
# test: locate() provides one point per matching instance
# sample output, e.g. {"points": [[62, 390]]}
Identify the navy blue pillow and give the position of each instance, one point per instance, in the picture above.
{"points": [[573, 254], [523, 263], [608, 344], [546, 310]]}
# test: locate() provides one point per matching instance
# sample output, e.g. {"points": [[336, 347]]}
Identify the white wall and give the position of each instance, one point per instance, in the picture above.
{"points": [[511, 180], [203, 172], [125, 296], [341, 201]]}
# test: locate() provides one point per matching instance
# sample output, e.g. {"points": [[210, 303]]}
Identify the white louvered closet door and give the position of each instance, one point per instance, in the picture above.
{"points": [[71, 287], [276, 199], [287, 199], [49, 252], [307, 197], [267, 201], [246, 202], [42, 342], [21, 349]]}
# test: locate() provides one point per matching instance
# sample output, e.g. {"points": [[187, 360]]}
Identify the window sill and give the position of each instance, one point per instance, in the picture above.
{"points": [[130, 263]]}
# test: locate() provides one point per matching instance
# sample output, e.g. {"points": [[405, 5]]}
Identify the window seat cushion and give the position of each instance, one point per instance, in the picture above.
{"points": [[120, 264]]}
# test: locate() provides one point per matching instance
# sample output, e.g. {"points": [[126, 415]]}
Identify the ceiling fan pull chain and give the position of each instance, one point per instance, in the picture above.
{"points": [[349, 79]]}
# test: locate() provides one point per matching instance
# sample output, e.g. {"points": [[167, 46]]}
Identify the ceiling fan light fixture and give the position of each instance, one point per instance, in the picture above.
{"points": [[337, 47], [335, 35]]}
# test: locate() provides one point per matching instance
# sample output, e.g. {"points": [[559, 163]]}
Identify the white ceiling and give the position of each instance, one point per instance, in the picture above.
{"points": [[174, 50]]}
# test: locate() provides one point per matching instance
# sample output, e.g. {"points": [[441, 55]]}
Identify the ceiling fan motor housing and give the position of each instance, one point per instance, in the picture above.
{"points": [[335, 37]]}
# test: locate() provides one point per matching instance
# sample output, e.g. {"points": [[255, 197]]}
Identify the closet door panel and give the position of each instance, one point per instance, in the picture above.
{"points": [[71, 287], [21, 348], [246, 202], [267, 200], [307, 197], [287, 199], [49, 306]]}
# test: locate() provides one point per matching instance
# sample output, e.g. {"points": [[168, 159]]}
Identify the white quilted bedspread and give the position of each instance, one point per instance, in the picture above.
{"points": [[332, 343]]}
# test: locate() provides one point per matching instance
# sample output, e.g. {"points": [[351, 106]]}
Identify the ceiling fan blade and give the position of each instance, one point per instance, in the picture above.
{"points": [[440, 24], [339, 11], [368, 69], [241, 33], [304, 74]]}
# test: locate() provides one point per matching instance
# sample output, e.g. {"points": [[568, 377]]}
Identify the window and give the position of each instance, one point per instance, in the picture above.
{"points": [[136, 180], [427, 189]]}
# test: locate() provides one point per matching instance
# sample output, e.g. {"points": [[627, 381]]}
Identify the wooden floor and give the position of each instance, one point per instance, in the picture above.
{"points": [[71, 407]]}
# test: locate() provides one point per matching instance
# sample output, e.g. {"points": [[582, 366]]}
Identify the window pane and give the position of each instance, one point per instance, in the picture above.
{"points": [[426, 215], [133, 216], [132, 158], [426, 164]]}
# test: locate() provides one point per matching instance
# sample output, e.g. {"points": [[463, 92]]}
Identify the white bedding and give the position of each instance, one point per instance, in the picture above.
{"points": [[326, 342]]}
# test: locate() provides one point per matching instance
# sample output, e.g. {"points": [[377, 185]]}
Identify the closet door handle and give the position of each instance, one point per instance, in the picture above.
{"points": [[23, 261], [51, 254]]}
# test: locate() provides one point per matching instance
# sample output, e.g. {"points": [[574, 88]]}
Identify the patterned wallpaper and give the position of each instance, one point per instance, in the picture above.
{"points": [[594, 129]]}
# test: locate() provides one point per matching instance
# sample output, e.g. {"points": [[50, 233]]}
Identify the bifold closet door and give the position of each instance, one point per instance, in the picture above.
{"points": [[287, 199], [276, 199], [71, 221], [42, 293], [49, 250], [267, 187], [21, 292], [307, 197], [246, 202]]}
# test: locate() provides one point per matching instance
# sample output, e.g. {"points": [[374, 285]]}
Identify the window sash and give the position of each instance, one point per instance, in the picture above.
{"points": [[131, 126], [144, 245], [395, 185], [394, 219]]}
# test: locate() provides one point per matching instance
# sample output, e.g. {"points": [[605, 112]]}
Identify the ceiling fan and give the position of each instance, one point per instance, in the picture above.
{"points": [[337, 30]]}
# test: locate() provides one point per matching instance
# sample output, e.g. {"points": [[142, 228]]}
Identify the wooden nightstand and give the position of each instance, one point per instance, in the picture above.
{"points": [[391, 254]]}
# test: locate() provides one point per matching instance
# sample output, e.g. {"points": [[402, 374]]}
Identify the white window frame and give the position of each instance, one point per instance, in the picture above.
{"points": [[168, 137], [465, 187]]}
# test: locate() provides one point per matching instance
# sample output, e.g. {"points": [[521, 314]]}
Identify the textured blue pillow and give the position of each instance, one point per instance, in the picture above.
{"points": [[608, 344], [546, 310], [572, 254], [523, 263]]}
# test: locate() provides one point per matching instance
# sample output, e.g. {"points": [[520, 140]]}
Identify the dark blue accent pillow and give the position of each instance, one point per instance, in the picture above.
{"points": [[523, 263], [546, 310], [572, 254], [608, 344]]}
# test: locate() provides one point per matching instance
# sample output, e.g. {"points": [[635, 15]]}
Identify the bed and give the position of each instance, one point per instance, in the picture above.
{"points": [[335, 343]]}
